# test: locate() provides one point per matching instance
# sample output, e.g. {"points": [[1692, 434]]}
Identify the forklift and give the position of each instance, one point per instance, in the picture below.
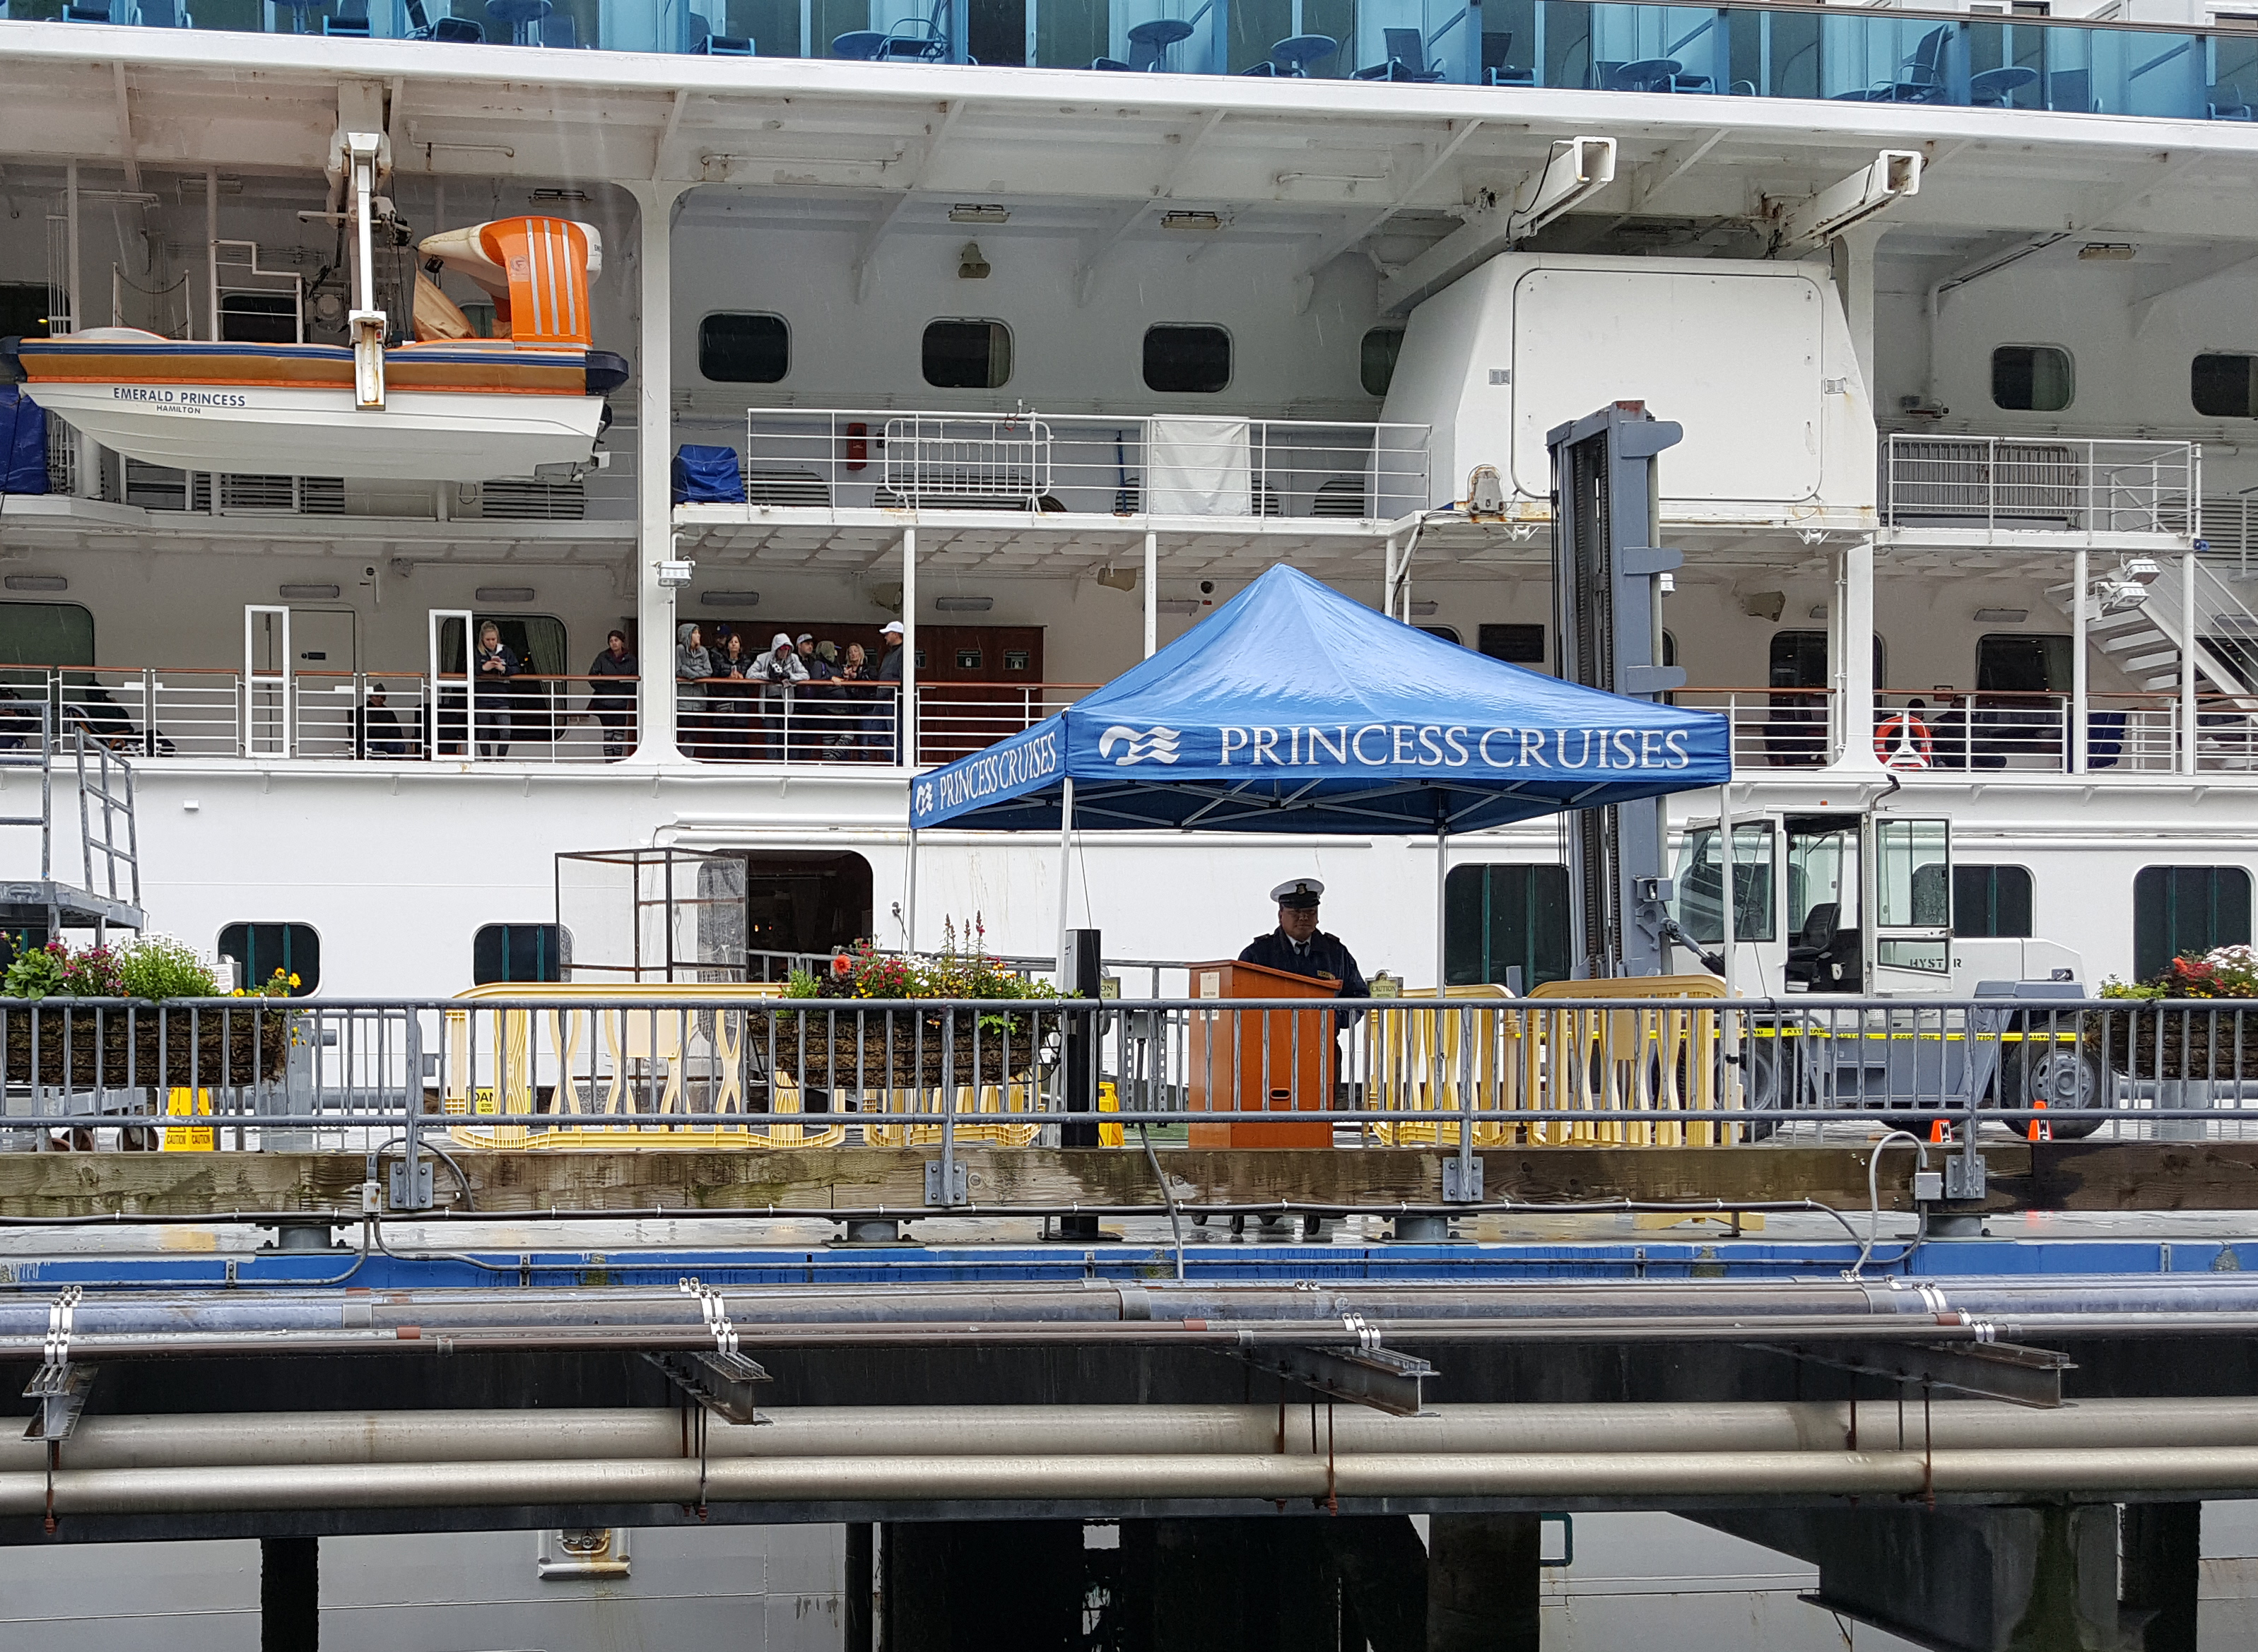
{"points": [[1832, 908]]}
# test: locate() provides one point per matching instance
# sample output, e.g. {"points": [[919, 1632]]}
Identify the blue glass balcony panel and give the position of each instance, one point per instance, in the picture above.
{"points": [[1783, 51]]}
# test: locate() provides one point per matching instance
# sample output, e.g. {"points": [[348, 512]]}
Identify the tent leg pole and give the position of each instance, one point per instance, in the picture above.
{"points": [[909, 914], [1151, 593], [1442, 877], [1066, 871]]}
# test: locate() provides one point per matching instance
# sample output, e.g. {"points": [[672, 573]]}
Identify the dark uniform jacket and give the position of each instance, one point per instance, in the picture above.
{"points": [[1325, 956]]}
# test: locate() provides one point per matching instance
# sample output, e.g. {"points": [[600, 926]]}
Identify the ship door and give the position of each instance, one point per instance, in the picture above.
{"points": [[1909, 876]]}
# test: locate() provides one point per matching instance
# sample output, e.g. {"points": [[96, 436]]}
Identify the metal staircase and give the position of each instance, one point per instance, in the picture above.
{"points": [[110, 891], [2146, 642]]}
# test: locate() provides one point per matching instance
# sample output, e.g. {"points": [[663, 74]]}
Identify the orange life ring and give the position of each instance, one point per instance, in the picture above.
{"points": [[1902, 742]]}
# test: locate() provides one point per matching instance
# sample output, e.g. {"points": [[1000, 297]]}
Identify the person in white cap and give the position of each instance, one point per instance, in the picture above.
{"points": [[887, 724], [1299, 947]]}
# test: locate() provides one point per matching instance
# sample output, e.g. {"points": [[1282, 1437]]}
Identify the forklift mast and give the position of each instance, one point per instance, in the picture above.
{"points": [[1607, 585]]}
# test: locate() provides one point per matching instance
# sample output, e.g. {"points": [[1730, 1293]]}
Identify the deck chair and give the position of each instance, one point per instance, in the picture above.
{"points": [[422, 26], [1496, 71], [560, 32], [1407, 59], [1923, 77], [919, 39], [350, 19], [705, 43], [90, 11], [167, 14]]}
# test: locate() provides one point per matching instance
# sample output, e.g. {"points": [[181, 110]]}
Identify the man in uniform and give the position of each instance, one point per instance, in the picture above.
{"points": [[1298, 947]]}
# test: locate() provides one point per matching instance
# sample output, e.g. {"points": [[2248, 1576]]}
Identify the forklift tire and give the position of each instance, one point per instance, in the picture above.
{"points": [[2062, 1075], [1775, 1085]]}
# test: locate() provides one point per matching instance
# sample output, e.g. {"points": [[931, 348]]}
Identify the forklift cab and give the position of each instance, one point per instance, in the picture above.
{"points": [[1834, 902]]}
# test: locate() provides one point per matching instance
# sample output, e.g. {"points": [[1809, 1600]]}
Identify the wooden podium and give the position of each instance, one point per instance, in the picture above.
{"points": [[1225, 1055]]}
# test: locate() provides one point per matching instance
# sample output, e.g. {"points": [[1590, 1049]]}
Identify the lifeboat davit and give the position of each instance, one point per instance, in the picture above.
{"points": [[456, 407]]}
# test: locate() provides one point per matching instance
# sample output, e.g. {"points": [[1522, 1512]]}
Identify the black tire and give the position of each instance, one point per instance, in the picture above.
{"points": [[1778, 1080], [2064, 1076]]}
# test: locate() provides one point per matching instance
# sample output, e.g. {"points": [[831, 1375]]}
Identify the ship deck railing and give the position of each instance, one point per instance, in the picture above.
{"points": [[1804, 51], [2112, 490], [1160, 465], [154, 713]]}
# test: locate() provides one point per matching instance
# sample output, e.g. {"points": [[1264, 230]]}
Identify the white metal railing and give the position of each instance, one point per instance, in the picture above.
{"points": [[2039, 484], [1160, 465], [350, 716]]}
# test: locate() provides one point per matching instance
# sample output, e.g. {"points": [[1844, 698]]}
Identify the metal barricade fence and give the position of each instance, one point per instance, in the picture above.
{"points": [[741, 1066]]}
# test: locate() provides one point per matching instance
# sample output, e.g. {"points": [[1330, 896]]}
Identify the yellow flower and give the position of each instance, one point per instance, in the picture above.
{"points": [[296, 982]]}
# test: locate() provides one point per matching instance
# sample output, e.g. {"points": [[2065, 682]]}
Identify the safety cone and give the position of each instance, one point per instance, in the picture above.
{"points": [[1939, 1131], [2041, 1131]]}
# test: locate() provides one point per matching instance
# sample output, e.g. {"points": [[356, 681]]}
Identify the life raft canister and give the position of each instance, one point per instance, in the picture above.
{"points": [[1902, 742]]}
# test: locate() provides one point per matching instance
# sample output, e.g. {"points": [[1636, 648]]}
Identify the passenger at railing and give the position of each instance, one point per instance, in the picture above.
{"points": [[612, 699], [693, 664], [851, 685], [19, 724], [1948, 729], [730, 699], [811, 719], [781, 672], [376, 728], [496, 666], [883, 729]]}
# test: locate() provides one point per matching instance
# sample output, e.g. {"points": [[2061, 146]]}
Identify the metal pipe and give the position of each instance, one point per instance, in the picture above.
{"points": [[313, 1438], [1268, 1477]]}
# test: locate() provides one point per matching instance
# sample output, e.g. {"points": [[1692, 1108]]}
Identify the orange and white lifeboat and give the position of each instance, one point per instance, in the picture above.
{"points": [[457, 407]]}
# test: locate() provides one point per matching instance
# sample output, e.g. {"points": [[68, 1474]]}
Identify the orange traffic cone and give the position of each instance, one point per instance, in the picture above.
{"points": [[1939, 1131], [2041, 1131]]}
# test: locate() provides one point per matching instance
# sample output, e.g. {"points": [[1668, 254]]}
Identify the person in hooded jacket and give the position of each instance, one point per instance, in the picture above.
{"points": [[612, 696], [693, 664], [782, 670]]}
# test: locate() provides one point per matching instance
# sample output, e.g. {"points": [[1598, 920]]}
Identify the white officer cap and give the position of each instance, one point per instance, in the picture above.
{"points": [[1298, 892]]}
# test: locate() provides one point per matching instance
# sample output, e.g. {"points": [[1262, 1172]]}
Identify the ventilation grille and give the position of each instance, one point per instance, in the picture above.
{"points": [[523, 501]]}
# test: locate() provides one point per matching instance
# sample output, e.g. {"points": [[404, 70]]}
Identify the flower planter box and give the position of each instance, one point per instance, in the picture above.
{"points": [[2150, 1042], [834, 1045], [88, 1049]]}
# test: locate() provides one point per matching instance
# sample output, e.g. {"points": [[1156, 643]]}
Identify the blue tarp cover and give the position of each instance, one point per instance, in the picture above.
{"points": [[1293, 708], [708, 476], [22, 444]]}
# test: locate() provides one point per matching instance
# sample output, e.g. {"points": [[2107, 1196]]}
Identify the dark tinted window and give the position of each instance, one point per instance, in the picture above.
{"points": [[744, 350], [259, 318], [518, 952], [2225, 387], [1376, 359], [23, 315], [1192, 358], [262, 950], [1501, 918], [537, 640], [2187, 909], [2011, 664], [1991, 901], [1517, 644], [2031, 378], [1798, 659], [969, 355]]}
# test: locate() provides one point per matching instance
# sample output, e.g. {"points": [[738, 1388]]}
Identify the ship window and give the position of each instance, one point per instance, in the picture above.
{"points": [[1799, 659], [967, 354], [2031, 378], [1497, 918], [259, 318], [1376, 360], [1196, 359], [744, 350], [44, 633], [2008, 663], [519, 951], [536, 639], [2177, 910], [2225, 387], [1515, 644], [1991, 901], [262, 949], [1448, 632]]}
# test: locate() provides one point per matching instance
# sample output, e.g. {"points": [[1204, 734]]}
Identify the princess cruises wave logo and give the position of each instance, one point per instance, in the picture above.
{"points": [[1154, 745]]}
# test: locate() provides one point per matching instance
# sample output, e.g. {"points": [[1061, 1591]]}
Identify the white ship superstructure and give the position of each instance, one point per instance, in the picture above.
{"points": [[1046, 361]]}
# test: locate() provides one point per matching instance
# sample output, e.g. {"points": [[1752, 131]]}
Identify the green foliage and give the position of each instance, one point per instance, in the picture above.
{"points": [[161, 967], [962, 969], [2224, 972], [37, 971]]}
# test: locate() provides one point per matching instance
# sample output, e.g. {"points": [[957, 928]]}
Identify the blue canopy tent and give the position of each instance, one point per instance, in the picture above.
{"points": [[1293, 708]]}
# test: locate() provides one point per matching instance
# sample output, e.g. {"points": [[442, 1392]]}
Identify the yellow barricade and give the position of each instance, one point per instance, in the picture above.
{"points": [[187, 1138], [1598, 1070]]}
